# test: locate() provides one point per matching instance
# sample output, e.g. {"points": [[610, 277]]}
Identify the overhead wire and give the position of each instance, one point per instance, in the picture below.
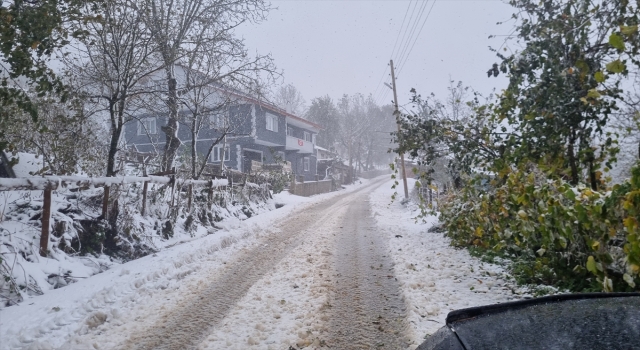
{"points": [[407, 37], [404, 36], [417, 36], [405, 48], [379, 85], [408, 42]]}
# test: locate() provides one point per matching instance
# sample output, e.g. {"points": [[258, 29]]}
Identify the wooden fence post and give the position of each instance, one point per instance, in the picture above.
{"points": [[144, 191], [173, 186], [190, 195], [46, 216], [210, 200], [105, 202]]}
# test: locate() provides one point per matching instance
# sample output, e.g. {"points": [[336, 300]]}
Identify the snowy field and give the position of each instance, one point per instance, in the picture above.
{"points": [[286, 307]]}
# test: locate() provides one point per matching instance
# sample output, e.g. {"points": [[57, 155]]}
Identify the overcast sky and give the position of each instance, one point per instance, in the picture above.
{"points": [[343, 47]]}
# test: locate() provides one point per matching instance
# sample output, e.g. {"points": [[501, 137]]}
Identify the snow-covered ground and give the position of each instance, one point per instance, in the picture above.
{"points": [[435, 278], [76, 249], [75, 316], [285, 307]]}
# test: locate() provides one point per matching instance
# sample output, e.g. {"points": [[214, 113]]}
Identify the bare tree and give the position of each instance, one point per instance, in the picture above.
{"points": [[354, 121], [180, 27], [61, 135], [216, 74], [289, 98], [112, 63], [324, 112]]}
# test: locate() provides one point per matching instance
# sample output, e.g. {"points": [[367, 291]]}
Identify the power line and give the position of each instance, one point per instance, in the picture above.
{"points": [[406, 32], [404, 36], [402, 25], [418, 36], [377, 92], [402, 57]]}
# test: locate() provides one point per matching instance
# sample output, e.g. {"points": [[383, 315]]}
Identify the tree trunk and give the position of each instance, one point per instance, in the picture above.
{"points": [[573, 162], [113, 150], [194, 150], [592, 172], [171, 129]]}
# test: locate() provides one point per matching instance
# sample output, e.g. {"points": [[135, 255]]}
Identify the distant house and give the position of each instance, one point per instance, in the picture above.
{"points": [[262, 134], [330, 166]]}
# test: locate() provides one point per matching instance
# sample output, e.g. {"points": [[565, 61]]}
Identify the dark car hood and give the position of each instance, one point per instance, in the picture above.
{"points": [[570, 321]]}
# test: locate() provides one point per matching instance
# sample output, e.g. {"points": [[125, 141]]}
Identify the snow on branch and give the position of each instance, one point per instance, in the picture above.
{"points": [[55, 182]]}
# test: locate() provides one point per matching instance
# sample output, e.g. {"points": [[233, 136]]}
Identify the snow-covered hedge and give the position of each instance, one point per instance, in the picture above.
{"points": [[573, 237], [82, 243]]}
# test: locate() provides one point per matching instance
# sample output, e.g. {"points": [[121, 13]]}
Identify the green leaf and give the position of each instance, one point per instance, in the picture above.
{"points": [[593, 93], [563, 242], [627, 278], [629, 30], [570, 194], [591, 265], [599, 76], [616, 41], [582, 66], [616, 66]]}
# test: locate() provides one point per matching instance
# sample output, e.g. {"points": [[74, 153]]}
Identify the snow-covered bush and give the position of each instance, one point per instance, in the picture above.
{"points": [[573, 237], [83, 243]]}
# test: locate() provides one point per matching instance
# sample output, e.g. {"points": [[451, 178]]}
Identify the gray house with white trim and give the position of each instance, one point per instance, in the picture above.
{"points": [[262, 133]]}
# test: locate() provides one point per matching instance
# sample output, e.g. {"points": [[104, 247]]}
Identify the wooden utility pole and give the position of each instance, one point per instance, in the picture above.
{"points": [[397, 114]]}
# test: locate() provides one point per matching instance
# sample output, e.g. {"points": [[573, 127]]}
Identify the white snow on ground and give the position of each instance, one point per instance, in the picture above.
{"points": [[283, 308], [286, 307], [435, 278], [93, 312]]}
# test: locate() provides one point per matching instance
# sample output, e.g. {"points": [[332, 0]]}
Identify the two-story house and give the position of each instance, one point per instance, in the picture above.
{"points": [[260, 133]]}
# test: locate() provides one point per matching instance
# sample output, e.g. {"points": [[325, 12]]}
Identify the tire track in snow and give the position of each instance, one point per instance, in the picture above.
{"points": [[186, 325], [367, 307]]}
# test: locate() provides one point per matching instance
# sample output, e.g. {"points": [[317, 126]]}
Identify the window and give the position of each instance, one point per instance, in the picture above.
{"points": [[289, 131], [307, 136], [313, 139], [272, 122], [216, 121], [306, 163], [216, 153], [147, 126]]}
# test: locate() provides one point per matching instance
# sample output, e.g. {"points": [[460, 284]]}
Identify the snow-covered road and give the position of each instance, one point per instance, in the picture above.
{"points": [[346, 270]]}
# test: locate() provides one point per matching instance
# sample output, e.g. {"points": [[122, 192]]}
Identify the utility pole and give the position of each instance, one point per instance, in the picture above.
{"points": [[397, 114]]}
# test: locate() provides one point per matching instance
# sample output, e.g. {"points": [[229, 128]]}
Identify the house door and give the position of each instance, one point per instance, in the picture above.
{"points": [[249, 155]]}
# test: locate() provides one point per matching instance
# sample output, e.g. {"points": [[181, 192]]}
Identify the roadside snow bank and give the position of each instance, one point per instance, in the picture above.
{"points": [[101, 311], [435, 278]]}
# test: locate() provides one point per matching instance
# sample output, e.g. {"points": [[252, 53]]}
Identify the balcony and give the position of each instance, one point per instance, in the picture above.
{"points": [[300, 145]]}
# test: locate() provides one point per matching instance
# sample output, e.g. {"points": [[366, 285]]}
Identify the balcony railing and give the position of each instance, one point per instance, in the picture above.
{"points": [[300, 145]]}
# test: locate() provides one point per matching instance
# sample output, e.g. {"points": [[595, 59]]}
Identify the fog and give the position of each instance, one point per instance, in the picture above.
{"points": [[344, 47]]}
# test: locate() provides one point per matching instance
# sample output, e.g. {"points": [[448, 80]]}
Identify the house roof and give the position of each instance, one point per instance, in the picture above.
{"points": [[261, 103], [274, 108]]}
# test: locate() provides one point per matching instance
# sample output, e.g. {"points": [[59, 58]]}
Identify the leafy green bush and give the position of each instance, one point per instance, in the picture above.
{"points": [[572, 237]]}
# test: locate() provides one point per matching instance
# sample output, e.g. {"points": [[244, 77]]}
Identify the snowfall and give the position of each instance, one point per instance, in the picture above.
{"points": [[102, 310]]}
